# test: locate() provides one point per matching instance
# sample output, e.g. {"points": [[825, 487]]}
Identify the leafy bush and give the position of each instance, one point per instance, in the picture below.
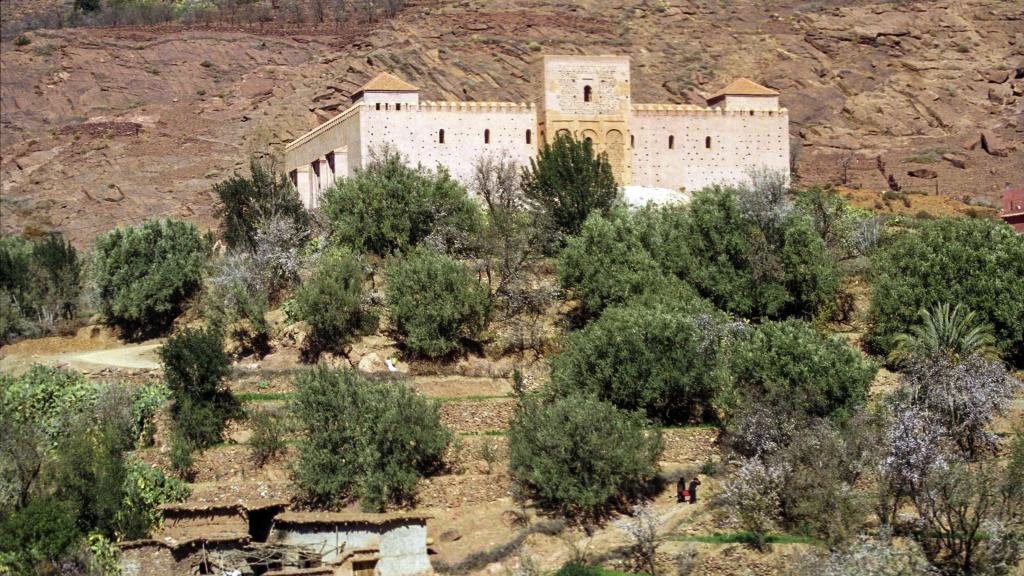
{"points": [[607, 264], [40, 532], [390, 207], [435, 302], [790, 364], [145, 274], [667, 363], [581, 455], [331, 301], [145, 489], [267, 440], [49, 398], [248, 203], [237, 300], [195, 366], [567, 181], [40, 282], [751, 264], [389, 435], [977, 263]]}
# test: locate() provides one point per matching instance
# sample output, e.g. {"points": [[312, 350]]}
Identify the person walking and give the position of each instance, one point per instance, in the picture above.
{"points": [[693, 490], [681, 490]]}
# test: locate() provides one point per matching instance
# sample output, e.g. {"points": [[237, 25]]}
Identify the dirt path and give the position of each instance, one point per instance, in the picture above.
{"points": [[142, 357]]}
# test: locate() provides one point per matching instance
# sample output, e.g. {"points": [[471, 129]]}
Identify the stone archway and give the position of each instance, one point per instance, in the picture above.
{"points": [[614, 145]]}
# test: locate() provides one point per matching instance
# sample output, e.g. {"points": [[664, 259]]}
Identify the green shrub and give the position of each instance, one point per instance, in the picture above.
{"points": [[40, 282], [390, 207], [195, 366], [249, 202], [48, 398], [567, 181], [331, 301], [145, 489], [41, 532], [435, 302], [607, 264], [977, 263], [390, 437], [667, 363], [145, 274], [580, 455], [790, 364], [267, 439], [748, 268]]}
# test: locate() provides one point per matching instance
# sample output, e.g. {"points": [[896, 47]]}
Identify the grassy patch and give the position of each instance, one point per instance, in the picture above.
{"points": [[486, 433], [263, 396], [744, 538], [928, 156]]}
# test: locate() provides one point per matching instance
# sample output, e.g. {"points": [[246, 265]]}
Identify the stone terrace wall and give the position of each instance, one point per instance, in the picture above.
{"points": [[739, 140]]}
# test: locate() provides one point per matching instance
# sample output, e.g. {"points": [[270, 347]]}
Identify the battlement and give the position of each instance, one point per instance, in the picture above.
{"points": [[457, 106], [692, 110]]}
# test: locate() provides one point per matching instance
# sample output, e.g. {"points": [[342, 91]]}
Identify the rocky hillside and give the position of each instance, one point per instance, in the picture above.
{"points": [[102, 127]]}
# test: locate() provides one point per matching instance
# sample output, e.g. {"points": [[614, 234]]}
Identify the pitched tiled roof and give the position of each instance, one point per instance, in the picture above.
{"points": [[385, 82], [743, 87]]}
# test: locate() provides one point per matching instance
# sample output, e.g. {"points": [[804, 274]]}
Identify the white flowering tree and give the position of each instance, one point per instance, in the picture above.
{"points": [[753, 497]]}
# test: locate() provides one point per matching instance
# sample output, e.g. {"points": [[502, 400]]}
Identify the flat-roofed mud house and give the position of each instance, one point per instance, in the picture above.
{"points": [[671, 146]]}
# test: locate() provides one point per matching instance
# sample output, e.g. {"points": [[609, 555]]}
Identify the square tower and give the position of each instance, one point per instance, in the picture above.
{"points": [[588, 97]]}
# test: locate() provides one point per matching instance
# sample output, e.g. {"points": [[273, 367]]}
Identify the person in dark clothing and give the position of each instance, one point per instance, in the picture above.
{"points": [[693, 490], [681, 490]]}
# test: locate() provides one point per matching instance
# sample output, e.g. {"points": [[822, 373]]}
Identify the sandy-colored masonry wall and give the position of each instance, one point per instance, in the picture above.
{"points": [[739, 140], [415, 132], [737, 102]]}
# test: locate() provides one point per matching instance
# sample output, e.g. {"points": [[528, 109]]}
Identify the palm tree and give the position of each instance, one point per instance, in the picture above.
{"points": [[957, 333]]}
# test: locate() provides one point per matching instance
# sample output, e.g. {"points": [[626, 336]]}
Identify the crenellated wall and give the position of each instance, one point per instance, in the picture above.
{"points": [[739, 140]]}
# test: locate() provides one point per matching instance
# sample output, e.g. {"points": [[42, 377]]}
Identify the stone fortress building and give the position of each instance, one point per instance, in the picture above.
{"points": [[663, 146]]}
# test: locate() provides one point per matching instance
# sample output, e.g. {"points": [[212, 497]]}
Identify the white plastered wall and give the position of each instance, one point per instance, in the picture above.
{"points": [[415, 132], [740, 140]]}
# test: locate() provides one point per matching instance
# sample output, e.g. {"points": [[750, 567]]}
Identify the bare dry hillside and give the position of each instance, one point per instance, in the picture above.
{"points": [[102, 127]]}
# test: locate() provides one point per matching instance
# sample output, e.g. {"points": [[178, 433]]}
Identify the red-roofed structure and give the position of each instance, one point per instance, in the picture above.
{"points": [[1013, 208]]}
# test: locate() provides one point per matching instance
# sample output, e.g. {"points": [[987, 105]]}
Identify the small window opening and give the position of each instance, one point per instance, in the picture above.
{"points": [[671, 142], [528, 135], [751, 112], [440, 136], [707, 142], [487, 136], [295, 177], [632, 141], [378, 105], [398, 106], [587, 93]]}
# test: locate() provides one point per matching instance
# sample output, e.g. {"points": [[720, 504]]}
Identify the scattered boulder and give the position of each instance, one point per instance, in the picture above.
{"points": [[925, 173], [1000, 94], [994, 145], [997, 76], [450, 535], [372, 362], [957, 160]]}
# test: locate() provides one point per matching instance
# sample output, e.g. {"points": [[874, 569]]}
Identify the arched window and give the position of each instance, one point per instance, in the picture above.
{"points": [[528, 135], [378, 105], [587, 93], [671, 142], [440, 136], [487, 136]]}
